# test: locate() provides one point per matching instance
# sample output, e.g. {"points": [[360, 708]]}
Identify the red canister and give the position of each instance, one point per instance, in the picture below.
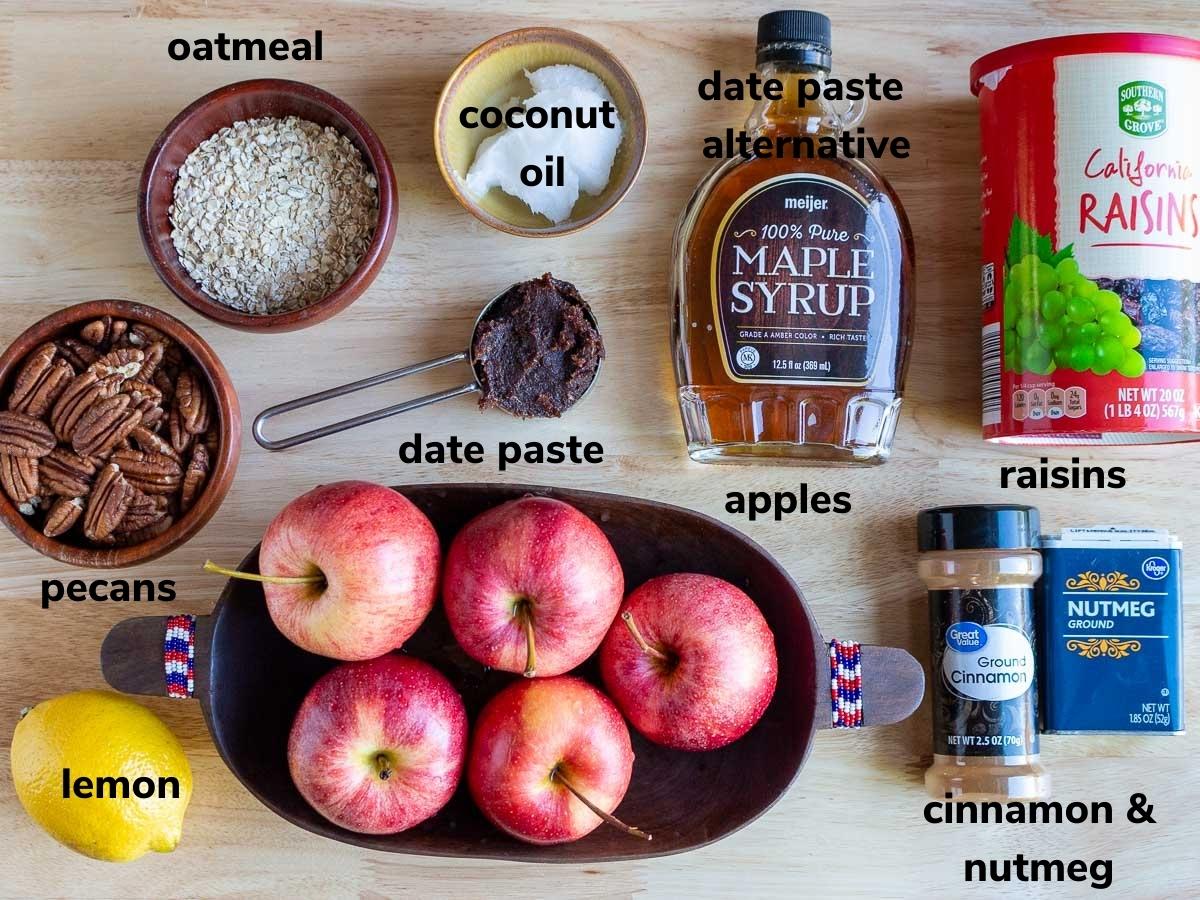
{"points": [[1090, 171]]}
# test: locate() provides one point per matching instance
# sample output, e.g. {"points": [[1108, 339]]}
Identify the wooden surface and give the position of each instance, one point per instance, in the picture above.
{"points": [[84, 90]]}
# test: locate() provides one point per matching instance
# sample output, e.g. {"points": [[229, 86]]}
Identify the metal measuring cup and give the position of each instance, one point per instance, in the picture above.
{"points": [[261, 420]]}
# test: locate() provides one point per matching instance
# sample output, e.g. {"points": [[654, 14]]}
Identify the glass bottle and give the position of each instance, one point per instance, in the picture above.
{"points": [[980, 564], [792, 283]]}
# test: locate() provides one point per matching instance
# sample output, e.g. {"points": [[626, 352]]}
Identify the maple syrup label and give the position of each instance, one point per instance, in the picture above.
{"points": [[800, 283]]}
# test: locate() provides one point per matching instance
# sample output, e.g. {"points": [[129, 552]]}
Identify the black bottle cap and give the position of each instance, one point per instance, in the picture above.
{"points": [[795, 35], [986, 526]]}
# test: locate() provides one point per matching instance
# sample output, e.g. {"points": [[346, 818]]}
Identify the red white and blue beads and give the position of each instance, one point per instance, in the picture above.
{"points": [[179, 656], [845, 683]]}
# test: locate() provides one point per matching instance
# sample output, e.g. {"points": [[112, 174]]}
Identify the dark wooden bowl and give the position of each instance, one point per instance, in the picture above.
{"points": [[250, 681], [274, 97], [228, 418]]}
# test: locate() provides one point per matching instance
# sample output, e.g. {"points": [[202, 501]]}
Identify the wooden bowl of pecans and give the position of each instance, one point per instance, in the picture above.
{"points": [[119, 434], [267, 205]]}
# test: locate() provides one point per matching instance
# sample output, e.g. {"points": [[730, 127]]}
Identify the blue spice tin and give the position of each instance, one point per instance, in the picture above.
{"points": [[1109, 628]]}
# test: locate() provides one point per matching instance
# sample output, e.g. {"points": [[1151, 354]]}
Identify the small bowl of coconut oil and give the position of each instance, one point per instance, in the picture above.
{"points": [[540, 132]]}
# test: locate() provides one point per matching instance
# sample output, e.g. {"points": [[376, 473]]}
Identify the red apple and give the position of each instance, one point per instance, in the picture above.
{"points": [[690, 661], [350, 570], [550, 760], [379, 746], [531, 586]]}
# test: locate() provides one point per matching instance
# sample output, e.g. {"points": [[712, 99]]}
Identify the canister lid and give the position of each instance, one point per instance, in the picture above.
{"points": [[1081, 44], [795, 35], [984, 526]]}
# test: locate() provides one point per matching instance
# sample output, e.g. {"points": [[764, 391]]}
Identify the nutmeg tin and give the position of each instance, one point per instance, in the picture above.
{"points": [[1090, 171], [1110, 632]]}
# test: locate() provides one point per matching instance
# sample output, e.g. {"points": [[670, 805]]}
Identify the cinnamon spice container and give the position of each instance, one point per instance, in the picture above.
{"points": [[980, 564]]}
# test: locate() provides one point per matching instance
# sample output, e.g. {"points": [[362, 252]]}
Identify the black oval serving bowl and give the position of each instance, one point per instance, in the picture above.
{"points": [[250, 681]]}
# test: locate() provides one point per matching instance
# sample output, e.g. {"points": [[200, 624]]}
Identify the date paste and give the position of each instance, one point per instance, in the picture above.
{"points": [[537, 349]]}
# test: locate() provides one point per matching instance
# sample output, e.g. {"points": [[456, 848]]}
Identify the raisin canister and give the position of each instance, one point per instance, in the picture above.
{"points": [[1090, 171]]}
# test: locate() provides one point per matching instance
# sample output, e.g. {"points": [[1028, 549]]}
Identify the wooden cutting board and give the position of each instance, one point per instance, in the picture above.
{"points": [[85, 87]]}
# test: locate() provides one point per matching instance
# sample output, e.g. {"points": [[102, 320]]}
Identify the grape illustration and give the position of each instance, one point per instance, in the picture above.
{"points": [[1057, 318]]}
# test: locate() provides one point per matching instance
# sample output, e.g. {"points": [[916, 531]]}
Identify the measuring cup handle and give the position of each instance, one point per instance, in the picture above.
{"points": [[261, 420]]}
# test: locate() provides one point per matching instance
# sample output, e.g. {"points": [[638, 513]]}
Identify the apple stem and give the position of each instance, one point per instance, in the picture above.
{"points": [[526, 613], [556, 773], [627, 618], [383, 766], [210, 566]]}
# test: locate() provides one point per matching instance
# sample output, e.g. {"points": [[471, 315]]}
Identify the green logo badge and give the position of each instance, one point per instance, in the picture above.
{"points": [[1142, 108]]}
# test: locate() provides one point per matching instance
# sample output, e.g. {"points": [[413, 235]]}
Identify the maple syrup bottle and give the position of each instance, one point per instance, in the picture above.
{"points": [[792, 282]]}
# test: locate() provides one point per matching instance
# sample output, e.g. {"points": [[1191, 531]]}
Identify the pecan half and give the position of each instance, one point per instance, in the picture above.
{"points": [[85, 390], [19, 476], [46, 391], [150, 473], [107, 505], [40, 381], [138, 390], [104, 426], [153, 360], [144, 510], [194, 477], [25, 436], [191, 397], [140, 335], [104, 333], [65, 473], [144, 397], [145, 439], [173, 358], [152, 414], [181, 438], [77, 353], [142, 535], [166, 384], [124, 361], [62, 516]]}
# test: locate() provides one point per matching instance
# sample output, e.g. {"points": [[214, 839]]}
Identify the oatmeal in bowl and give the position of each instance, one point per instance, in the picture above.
{"points": [[268, 205]]}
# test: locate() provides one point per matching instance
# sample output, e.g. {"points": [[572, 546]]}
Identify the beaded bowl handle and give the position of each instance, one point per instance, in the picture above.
{"points": [[159, 656], [845, 683], [170, 656], [868, 684], [179, 657]]}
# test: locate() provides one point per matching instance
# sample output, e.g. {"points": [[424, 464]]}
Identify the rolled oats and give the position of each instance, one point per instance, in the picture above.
{"points": [[270, 214]]}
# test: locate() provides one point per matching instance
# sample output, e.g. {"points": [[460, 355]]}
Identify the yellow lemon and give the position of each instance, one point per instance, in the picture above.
{"points": [[127, 778]]}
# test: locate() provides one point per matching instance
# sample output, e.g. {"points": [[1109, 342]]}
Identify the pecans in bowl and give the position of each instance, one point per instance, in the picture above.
{"points": [[113, 428], [117, 414]]}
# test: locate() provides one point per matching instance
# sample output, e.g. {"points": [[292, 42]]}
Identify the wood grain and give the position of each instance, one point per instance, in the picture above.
{"points": [[85, 87]]}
